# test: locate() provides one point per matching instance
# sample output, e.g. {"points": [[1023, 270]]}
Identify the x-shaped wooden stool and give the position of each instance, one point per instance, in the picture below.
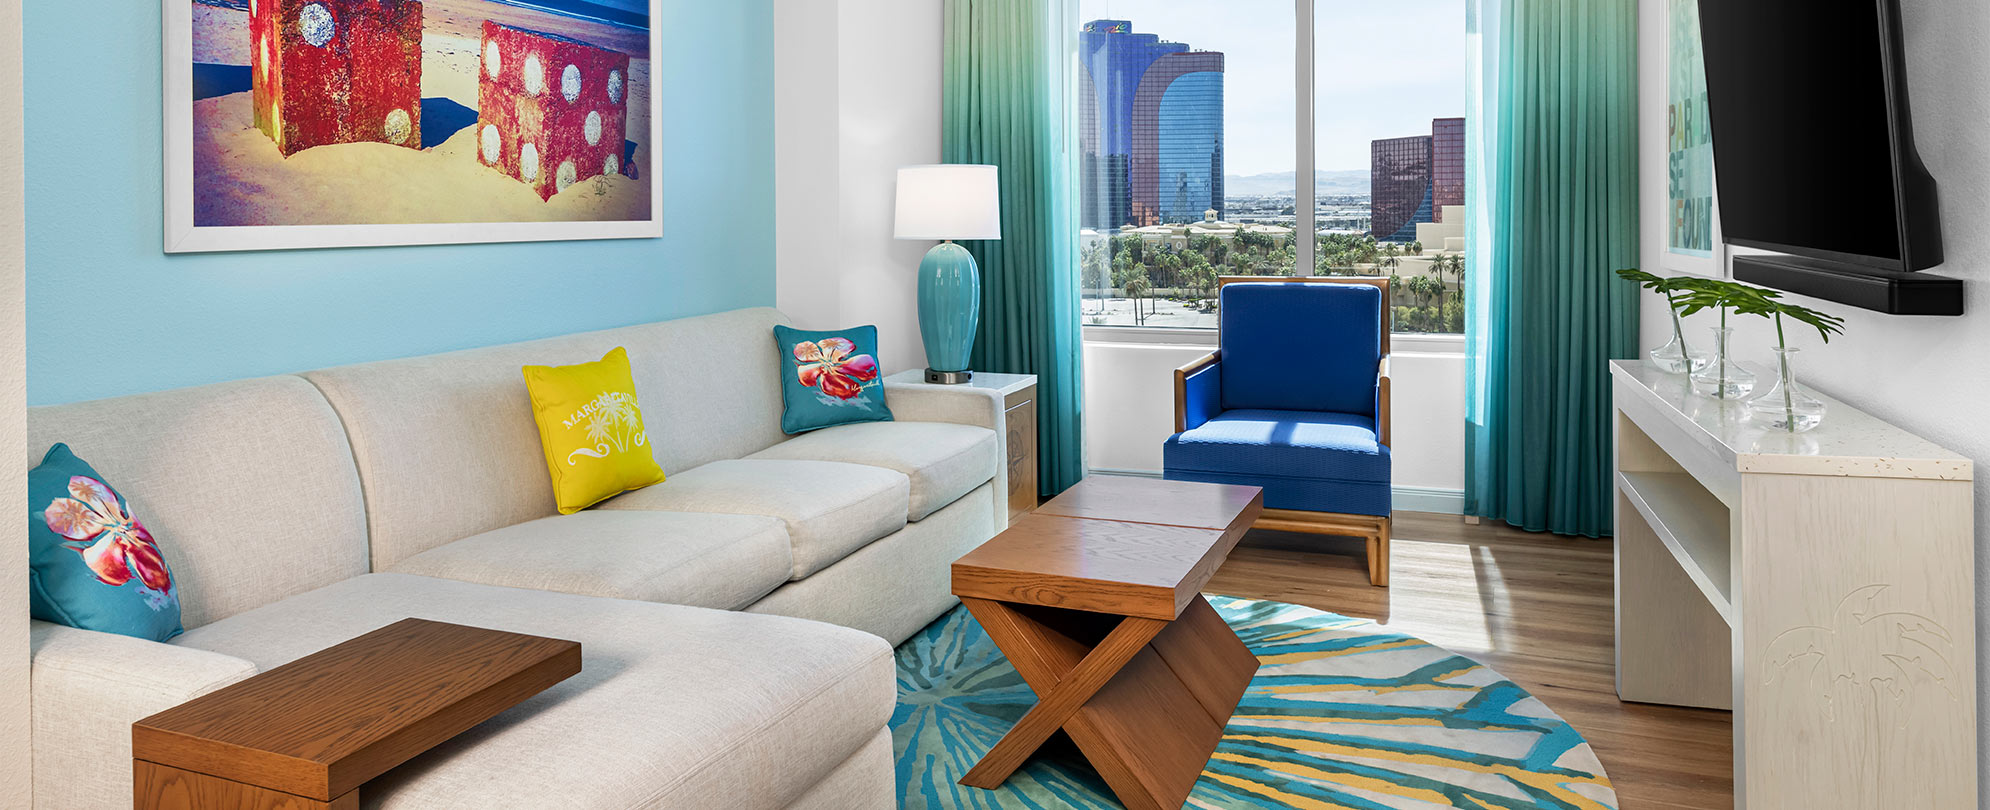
{"points": [[1105, 622]]}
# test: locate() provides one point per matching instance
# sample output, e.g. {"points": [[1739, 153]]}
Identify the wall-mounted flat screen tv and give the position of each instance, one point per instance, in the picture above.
{"points": [[1813, 142]]}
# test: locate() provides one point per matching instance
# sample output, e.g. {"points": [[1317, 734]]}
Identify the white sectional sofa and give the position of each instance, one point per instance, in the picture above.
{"points": [[299, 511]]}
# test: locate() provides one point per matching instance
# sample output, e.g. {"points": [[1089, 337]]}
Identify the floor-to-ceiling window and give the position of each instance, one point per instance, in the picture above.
{"points": [[1197, 121]]}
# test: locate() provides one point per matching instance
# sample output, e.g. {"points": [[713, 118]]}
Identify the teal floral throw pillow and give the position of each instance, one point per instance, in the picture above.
{"points": [[91, 563], [829, 378]]}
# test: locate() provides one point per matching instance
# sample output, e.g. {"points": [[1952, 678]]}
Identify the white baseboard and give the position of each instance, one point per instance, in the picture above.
{"points": [[1402, 499], [1428, 499]]}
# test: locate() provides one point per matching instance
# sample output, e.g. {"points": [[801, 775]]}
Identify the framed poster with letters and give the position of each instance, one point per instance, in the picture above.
{"points": [[1692, 220]]}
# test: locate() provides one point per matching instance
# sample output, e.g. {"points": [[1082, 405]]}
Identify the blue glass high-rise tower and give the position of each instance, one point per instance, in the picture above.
{"points": [[1151, 120]]}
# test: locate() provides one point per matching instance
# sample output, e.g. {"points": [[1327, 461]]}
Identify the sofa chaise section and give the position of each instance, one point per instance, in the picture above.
{"points": [[674, 707], [250, 487]]}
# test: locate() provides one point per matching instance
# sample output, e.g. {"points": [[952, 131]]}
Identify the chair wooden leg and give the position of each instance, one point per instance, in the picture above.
{"points": [[1378, 555], [1368, 527]]}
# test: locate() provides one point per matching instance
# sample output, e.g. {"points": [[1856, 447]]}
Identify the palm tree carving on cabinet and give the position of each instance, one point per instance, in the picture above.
{"points": [[1863, 667]]}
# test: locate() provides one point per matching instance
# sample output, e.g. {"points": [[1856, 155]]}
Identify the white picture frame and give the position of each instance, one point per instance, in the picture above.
{"points": [[183, 235], [1687, 168]]}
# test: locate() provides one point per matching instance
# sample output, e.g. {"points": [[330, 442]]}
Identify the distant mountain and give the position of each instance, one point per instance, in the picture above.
{"points": [[1349, 181]]}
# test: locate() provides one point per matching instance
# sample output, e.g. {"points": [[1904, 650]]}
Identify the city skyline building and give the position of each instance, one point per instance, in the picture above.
{"points": [[1411, 179], [1447, 165], [1398, 187], [1151, 128]]}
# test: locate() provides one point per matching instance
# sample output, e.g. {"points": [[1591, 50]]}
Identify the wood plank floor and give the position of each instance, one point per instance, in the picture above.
{"points": [[1537, 608]]}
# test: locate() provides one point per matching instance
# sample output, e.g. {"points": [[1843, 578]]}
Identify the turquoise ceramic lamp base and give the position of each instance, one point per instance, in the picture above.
{"points": [[949, 311]]}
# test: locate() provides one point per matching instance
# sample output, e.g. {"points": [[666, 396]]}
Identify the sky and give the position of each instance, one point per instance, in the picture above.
{"points": [[1383, 69]]}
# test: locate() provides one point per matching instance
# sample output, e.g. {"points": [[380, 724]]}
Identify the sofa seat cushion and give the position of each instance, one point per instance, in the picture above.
{"points": [[830, 508], [674, 706], [1316, 461], [944, 461], [684, 558]]}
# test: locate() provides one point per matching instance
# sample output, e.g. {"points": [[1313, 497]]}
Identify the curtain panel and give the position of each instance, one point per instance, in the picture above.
{"points": [[1006, 101], [1552, 158]]}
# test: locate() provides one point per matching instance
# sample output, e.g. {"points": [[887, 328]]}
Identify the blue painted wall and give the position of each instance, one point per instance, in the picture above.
{"points": [[109, 313]]}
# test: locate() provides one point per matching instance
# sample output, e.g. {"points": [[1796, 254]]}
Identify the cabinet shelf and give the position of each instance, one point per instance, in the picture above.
{"points": [[1693, 525]]}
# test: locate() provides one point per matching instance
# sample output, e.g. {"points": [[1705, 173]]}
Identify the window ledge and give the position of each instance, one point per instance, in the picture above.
{"points": [[1399, 343]]}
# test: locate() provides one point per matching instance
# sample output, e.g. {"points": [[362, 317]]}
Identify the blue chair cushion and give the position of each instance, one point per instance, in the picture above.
{"points": [[1300, 346], [1317, 461]]}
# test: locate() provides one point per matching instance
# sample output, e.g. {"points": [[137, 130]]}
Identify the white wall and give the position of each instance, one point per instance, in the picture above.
{"points": [[1130, 411], [1930, 376], [14, 711], [857, 95]]}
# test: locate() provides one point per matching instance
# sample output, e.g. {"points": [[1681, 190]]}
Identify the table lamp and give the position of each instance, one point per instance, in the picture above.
{"points": [[948, 202]]}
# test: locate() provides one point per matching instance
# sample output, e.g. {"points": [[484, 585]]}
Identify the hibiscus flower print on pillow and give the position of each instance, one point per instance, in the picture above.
{"points": [[832, 366], [830, 378], [92, 562], [115, 547]]}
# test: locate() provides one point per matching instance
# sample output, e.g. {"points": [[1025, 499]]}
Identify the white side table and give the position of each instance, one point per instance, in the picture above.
{"points": [[1019, 404]]}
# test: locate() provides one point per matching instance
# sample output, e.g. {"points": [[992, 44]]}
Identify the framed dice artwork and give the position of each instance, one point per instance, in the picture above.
{"points": [[345, 123]]}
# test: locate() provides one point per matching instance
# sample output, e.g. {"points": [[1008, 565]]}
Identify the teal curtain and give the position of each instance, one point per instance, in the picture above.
{"points": [[1005, 101], [1553, 157]]}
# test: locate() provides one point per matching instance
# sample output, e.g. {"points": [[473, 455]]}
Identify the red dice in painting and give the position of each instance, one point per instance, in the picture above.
{"points": [[551, 111], [336, 71]]}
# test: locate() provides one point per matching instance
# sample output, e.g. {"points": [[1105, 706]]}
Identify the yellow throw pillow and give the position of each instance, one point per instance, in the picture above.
{"points": [[591, 430]]}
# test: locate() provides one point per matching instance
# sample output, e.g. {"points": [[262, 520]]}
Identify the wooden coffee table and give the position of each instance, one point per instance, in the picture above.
{"points": [[1096, 599], [307, 734]]}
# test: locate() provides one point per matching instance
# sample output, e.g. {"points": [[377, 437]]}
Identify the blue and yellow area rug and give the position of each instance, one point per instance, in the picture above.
{"points": [[1342, 714]]}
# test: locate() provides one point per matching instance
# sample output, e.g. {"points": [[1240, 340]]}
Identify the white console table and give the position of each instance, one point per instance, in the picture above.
{"points": [[1820, 584]]}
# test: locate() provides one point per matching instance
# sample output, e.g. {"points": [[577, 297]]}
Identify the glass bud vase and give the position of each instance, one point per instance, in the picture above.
{"points": [[1786, 406], [1722, 378], [1675, 357]]}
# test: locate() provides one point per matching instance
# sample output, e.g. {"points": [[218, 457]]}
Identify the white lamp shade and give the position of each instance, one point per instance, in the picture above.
{"points": [[949, 201]]}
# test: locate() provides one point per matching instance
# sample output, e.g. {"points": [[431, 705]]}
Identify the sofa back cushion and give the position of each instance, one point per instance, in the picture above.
{"points": [[447, 448], [1300, 346], [248, 486]]}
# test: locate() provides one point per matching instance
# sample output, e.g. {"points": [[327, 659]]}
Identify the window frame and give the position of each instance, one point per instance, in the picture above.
{"points": [[1305, 210]]}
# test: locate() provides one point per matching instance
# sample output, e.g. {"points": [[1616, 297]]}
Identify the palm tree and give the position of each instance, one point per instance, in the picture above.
{"points": [[1137, 286], [1205, 279], [1094, 272], [1390, 254], [1167, 270], [1438, 268], [1423, 287], [1201, 273]]}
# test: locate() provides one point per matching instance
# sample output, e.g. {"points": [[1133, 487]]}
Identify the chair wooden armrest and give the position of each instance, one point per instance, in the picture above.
{"points": [[1181, 386], [1382, 400]]}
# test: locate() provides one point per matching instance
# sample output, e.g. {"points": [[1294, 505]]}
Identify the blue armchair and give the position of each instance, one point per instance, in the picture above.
{"points": [[1295, 400]]}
